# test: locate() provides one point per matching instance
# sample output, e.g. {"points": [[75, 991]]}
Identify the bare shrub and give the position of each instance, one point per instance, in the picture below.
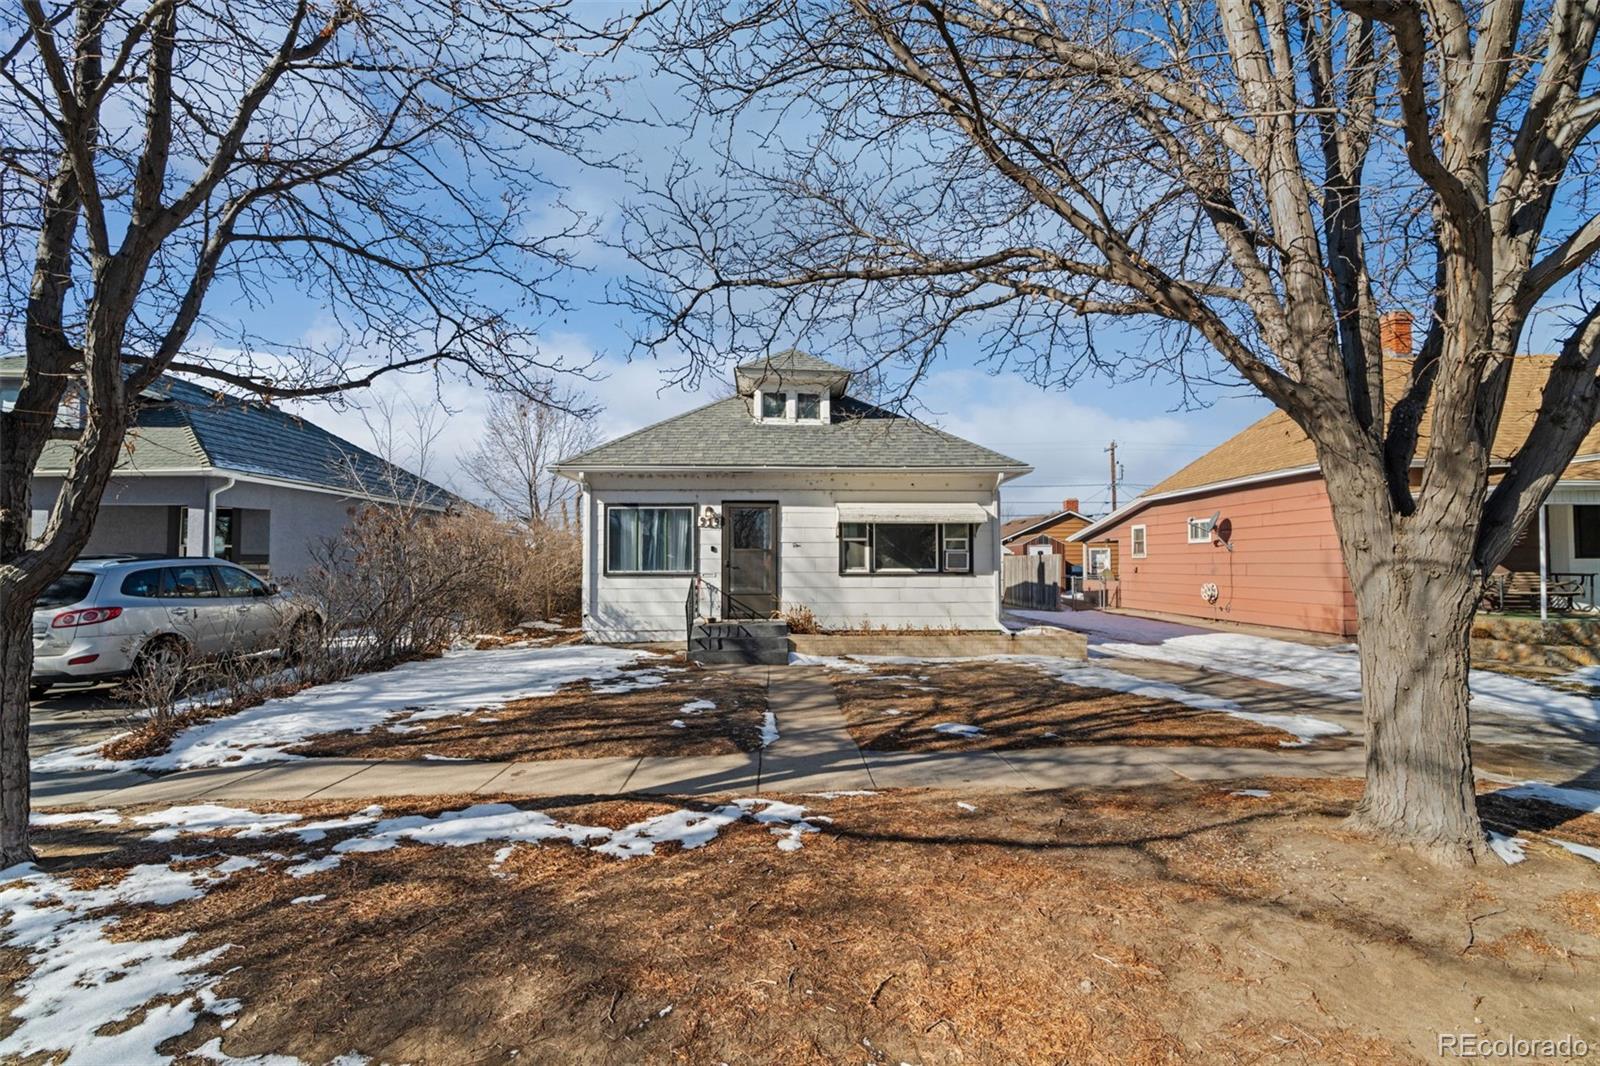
{"points": [[799, 618], [402, 581]]}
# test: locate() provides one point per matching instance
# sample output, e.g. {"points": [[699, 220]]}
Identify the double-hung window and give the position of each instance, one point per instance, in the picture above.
{"points": [[905, 548], [1199, 531], [1138, 541], [649, 539]]}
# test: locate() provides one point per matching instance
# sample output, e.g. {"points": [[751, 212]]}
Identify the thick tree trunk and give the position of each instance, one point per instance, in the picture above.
{"points": [[1415, 620], [16, 665]]}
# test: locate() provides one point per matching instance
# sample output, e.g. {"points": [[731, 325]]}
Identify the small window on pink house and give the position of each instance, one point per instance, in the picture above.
{"points": [[1136, 542]]}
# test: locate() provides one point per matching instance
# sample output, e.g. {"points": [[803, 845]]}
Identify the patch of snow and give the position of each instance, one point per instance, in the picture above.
{"points": [[829, 662], [678, 723], [967, 806], [769, 730], [484, 822], [1252, 793], [431, 757], [1336, 671], [1579, 799], [1588, 852], [83, 980], [1584, 675], [103, 817], [697, 707], [314, 866], [455, 683], [842, 793], [211, 818], [959, 729], [318, 898], [1510, 849]]}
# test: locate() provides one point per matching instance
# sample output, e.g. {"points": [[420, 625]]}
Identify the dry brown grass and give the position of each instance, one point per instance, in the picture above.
{"points": [[1163, 925], [1018, 706], [579, 722]]}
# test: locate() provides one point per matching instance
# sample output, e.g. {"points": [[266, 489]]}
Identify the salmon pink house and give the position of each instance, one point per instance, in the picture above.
{"points": [[1245, 533]]}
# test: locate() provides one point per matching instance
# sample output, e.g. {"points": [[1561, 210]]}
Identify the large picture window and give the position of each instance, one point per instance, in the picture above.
{"points": [[905, 548], [649, 540]]}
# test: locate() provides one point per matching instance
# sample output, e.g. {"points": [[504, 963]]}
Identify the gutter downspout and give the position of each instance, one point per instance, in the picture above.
{"points": [[211, 516]]}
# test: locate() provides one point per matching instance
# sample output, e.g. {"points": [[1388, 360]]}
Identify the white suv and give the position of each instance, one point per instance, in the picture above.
{"points": [[109, 617]]}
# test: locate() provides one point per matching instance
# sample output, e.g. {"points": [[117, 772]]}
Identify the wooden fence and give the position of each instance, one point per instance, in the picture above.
{"points": [[1031, 581]]}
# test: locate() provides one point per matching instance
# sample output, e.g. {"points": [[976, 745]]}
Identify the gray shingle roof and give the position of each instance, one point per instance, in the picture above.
{"points": [[723, 435], [181, 426], [792, 359]]}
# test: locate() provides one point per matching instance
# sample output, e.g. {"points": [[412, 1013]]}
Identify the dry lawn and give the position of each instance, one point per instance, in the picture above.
{"points": [[1163, 925], [896, 707], [581, 722]]}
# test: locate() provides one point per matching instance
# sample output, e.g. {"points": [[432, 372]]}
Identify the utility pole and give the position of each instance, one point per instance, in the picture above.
{"points": [[1112, 448]]}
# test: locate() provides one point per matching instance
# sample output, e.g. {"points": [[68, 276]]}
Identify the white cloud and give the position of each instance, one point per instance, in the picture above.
{"points": [[1063, 434]]}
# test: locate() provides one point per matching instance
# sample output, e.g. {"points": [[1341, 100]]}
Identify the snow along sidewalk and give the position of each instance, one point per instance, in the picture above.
{"points": [[814, 752]]}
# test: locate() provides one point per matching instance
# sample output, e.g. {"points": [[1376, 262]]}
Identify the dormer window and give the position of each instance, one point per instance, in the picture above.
{"points": [[774, 404], [808, 407]]}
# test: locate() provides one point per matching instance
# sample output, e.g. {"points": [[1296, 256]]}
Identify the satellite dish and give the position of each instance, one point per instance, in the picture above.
{"points": [[1211, 523]]}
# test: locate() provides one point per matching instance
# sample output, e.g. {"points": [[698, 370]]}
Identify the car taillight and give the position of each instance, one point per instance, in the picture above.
{"points": [[89, 616]]}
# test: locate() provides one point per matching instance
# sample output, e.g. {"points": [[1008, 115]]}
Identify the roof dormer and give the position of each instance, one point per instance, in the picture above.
{"points": [[791, 387]]}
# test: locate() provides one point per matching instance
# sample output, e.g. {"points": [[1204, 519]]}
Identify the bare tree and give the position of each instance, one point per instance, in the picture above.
{"points": [[521, 441], [162, 160], [1248, 183]]}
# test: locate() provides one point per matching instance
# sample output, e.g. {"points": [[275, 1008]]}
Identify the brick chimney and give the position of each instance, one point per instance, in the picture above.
{"points": [[1070, 504], [1394, 334]]}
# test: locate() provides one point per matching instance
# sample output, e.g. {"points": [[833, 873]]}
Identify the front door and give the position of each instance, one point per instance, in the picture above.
{"points": [[750, 560]]}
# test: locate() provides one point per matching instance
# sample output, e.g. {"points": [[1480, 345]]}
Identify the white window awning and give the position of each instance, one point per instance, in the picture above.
{"points": [[912, 512]]}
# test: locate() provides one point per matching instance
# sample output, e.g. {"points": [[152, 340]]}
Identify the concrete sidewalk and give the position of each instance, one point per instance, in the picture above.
{"points": [[814, 753]]}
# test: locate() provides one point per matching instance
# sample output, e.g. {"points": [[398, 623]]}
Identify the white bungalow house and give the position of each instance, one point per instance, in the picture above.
{"points": [[790, 494]]}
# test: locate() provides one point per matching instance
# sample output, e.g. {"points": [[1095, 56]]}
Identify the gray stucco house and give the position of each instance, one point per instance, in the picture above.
{"points": [[206, 473]]}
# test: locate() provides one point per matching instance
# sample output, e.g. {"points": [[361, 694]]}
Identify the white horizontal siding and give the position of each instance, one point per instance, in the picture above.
{"points": [[621, 608]]}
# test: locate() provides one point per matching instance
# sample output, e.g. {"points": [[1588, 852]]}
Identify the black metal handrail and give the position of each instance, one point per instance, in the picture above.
{"points": [[691, 606]]}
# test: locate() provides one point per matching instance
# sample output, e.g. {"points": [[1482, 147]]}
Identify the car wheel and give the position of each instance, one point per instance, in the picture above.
{"points": [[38, 690], [304, 637], [162, 661]]}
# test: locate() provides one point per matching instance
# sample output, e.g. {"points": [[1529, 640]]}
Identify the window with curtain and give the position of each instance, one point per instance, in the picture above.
{"points": [[649, 540]]}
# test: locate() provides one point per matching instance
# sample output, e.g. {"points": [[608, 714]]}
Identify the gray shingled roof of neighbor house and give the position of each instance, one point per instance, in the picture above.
{"points": [[183, 427], [723, 435]]}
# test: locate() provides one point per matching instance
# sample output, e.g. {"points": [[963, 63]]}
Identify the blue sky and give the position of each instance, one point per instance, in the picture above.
{"points": [[1062, 433]]}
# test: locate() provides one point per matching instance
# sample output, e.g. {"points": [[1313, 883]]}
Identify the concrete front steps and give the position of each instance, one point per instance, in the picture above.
{"points": [[1559, 644], [746, 642]]}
